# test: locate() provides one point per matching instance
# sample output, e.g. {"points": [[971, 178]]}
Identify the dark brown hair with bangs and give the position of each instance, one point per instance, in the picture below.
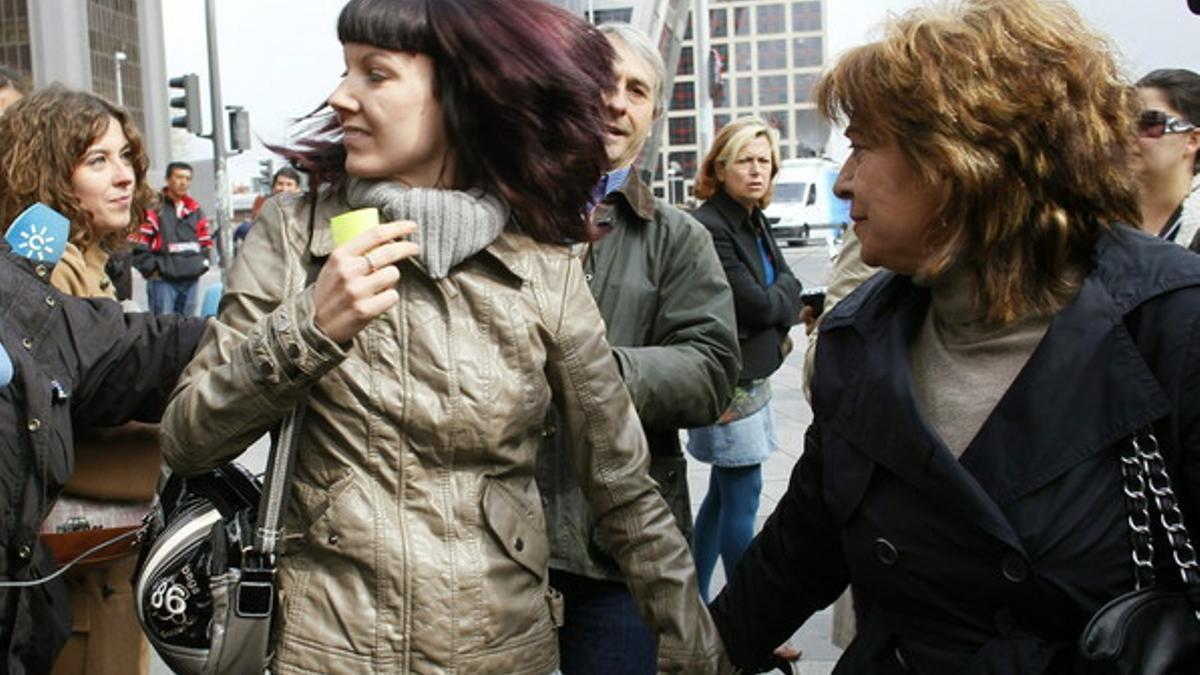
{"points": [[1021, 114], [521, 86], [43, 139]]}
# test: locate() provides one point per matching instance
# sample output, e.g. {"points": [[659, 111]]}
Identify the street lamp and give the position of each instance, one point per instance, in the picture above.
{"points": [[119, 57]]}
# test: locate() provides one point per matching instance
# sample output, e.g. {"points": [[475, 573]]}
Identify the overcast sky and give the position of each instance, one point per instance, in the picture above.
{"points": [[281, 58]]}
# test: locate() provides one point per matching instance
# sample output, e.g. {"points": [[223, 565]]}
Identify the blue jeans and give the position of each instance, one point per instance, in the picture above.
{"points": [[172, 297], [725, 522], [602, 633]]}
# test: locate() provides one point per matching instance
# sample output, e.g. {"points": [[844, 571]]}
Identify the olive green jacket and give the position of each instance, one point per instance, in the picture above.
{"points": [[669, 317]]}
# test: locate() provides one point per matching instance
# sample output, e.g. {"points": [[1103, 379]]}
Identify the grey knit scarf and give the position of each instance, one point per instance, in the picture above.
{"points": [[451, 225]]}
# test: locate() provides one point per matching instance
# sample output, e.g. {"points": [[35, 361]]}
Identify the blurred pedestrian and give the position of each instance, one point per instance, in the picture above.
{"points": [[668, 315], [735, 181], [970, 401], [91, 167], [12, 88], [1167, 157], [173, 246], [429, 350], [286, 179]]}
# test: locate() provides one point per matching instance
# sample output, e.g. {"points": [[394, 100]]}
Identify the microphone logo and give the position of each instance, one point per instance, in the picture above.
{"points": [[36, 244], [40, 233]]}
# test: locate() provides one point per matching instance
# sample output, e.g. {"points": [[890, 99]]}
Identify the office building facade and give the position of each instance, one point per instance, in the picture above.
{"points": [[94, 45], [765, 56]]}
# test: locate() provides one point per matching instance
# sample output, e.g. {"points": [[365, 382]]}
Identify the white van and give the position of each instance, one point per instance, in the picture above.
{"points": [[804, 201]]}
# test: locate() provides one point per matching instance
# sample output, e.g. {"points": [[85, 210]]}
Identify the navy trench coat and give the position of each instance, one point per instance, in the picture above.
{"points": [[994, 562]]}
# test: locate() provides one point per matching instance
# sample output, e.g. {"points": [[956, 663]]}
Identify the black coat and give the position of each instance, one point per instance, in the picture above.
{"points": [[993, 563], [764, 313], [76, 363]]}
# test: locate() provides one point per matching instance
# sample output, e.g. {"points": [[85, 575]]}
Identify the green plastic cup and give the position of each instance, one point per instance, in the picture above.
{"points": [[353, 223]]}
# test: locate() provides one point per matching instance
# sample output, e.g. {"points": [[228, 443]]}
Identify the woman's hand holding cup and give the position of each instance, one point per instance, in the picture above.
{"points": [[358, 282]]}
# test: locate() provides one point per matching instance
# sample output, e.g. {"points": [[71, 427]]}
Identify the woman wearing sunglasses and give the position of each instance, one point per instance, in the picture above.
{"points": [[1167, 155]]}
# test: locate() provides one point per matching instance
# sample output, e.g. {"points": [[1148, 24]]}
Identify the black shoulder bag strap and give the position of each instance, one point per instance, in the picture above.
{"points": [[268, 531]]}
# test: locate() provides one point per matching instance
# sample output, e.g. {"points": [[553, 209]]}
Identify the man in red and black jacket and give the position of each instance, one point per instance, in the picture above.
{"points": [[171, 248]]}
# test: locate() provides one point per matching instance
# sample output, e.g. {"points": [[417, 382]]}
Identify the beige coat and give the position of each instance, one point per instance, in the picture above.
{"points": [[416, 538]]}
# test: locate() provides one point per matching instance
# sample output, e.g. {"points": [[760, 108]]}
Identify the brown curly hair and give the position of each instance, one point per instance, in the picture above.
{"points": [[1022, 115], [43, 139]]}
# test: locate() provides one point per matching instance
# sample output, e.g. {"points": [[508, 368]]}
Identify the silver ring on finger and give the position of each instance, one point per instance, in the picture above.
{"points": [[370, 263]]}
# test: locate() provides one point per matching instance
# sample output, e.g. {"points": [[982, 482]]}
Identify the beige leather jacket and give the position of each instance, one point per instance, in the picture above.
{"points": [[417, 541]]}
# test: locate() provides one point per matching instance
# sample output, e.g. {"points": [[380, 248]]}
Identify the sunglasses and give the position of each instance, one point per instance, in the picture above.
{"points": [[1155, 123]]}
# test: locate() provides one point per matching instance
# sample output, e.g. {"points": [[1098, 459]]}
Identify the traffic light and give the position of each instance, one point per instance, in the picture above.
{"points": [[239, 128], [266, 172], [189, 102]]}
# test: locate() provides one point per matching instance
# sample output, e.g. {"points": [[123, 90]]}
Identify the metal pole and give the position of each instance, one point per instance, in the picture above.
{"points": [[591, 10], [221, 177], [702, 58], [118, 59]]}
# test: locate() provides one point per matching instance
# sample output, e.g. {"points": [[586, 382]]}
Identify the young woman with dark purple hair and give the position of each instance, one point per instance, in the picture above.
{"points": [[429, 350]]}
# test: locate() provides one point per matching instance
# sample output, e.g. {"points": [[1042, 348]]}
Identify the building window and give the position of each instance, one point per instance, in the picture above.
{"points": [[785, 151], [741, 20], [741, 57], [804, 83], [719, 122], [686, 67], [718, 23], [806, 52], [624, 15], [806, 16], [682, 130], [772, 54], [683, 97], [810, 132], [778, 120], [770, 19], [686, 162], [745, 92], [772, 90]]}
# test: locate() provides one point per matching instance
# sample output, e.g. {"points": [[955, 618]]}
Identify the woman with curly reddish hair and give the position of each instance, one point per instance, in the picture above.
{"points": [[972, 401], [83, 157], [429, 349]]}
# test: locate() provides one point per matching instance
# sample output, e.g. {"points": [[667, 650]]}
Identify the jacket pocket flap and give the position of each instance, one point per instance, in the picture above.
{"points": [[519, 529]]}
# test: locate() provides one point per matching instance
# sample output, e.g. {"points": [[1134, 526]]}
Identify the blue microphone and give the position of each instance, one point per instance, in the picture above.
{"points": [[5, 368], [40, 233]]}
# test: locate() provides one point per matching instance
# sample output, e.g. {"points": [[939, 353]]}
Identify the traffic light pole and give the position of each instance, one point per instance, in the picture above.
{"points": [[220, 154]]}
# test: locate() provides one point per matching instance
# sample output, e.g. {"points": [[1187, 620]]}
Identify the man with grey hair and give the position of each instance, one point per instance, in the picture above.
{"points": [[669, 317]]}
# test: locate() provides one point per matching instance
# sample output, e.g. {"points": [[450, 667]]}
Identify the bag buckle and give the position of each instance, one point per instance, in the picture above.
{"points": [[255, 597]]}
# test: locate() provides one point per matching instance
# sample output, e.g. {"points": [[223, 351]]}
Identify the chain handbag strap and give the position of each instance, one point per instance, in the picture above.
{"points": [[1143, 469]]}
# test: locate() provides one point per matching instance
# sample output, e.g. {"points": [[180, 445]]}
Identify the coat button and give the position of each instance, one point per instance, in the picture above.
{"points": [[50, 300], [549, 431], [886, 552], [27, 343], [24, 552], [519, 544], [333, 540], [1014, 568], [41, 270], [34, 424]]}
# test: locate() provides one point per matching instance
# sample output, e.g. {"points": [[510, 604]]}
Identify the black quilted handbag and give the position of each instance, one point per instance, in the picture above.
{"points": [[1155, 629]]}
